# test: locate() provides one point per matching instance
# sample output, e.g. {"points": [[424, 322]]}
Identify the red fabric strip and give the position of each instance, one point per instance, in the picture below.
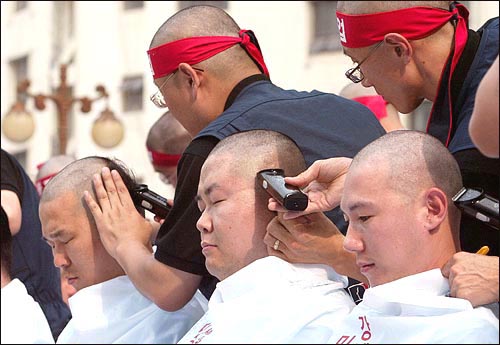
{"points": [[376, 103], [163, 159], [166, 58], [42, 182], [363, 30]]}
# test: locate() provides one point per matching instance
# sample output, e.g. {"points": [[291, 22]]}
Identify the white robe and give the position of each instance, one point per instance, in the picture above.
{"points": [[273, 301], [116, 312], [22, 319], [415, 310]]}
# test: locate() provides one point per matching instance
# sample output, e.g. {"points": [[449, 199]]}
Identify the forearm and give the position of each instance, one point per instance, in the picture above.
{"points": [[169, 288]]}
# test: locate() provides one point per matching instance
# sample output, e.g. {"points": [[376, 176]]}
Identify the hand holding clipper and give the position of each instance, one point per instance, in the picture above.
{"points": [[149, 200], [291, 197]]}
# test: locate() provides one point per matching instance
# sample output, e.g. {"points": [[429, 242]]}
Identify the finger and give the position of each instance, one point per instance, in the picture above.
{"points": [[304, 178], [101, 194], [274, 245], [279, 232], [445, 270], [275, 206], [110, 186], [122, 191], [92, 205]]}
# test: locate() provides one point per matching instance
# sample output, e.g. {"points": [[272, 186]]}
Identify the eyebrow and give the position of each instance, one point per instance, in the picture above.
{"points": [[359, 204], [207, 191], [55, 234]]}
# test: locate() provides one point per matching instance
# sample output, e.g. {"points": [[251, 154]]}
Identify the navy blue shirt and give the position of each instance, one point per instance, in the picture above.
{"points": [[477, 170], [32, 260], [323, 126]]}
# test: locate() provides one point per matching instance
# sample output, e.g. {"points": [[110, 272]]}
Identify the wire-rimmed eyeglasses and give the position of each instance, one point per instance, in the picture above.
{"points": [[157, 97], [354, 74]]}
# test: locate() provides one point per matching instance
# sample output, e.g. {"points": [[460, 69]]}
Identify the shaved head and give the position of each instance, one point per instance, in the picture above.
{"points": [[416, 161], [205, 21], [168, 136], [363, 7], [269, 149], [77, 178]]}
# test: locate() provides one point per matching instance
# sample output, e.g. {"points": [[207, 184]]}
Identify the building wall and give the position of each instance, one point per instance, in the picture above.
{"points": [[109, 43]]}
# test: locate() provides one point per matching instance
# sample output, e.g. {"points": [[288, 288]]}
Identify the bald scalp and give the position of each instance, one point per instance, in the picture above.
{"points": [[77, 177], [255, 150], [416, 161], [363, 7], [205, 21], [168, 136]]}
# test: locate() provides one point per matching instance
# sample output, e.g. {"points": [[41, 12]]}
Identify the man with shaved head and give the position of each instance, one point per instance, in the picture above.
{"points": [[260, 298], [403, 226], [415, 50], [212, 76], [167, 139], [410, 51], [106, 308]]}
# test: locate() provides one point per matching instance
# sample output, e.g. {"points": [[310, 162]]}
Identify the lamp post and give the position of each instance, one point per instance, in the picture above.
{"points": [[107, 129]]}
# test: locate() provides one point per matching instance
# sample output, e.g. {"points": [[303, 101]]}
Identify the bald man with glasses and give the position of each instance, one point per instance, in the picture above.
{"points": [[212, 76]]}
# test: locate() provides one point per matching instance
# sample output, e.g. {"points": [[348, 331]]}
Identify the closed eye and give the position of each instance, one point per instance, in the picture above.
{"points": [[364, 218]]}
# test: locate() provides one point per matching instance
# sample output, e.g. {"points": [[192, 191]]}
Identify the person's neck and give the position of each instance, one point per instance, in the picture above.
{"points": [[431, 55], [217, 96], [5, 279], [441, 248]]}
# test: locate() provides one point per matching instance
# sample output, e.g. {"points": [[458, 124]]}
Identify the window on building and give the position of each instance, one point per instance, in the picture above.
{"points": [[129, 5], [186, 4], [325, 30], [21, 5], [132, 93], [20, 73]]}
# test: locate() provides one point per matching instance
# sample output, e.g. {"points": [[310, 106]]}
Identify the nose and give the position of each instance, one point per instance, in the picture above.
{"points": [[204, 224], [61, 260], [352, 241]]}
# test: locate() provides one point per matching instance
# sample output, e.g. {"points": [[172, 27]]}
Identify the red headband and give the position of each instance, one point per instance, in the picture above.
{"points": [[413, 23], [166, 58], [376, 103], [42, 182], [163, 159], [363, 30]]}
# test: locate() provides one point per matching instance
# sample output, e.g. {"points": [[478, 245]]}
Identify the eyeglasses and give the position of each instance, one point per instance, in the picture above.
{"points": [[354, 74], [157, 98]]}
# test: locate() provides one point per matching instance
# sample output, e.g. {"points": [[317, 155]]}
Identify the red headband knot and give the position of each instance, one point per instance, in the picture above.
{"points": [[166, 58], [163, 159]]}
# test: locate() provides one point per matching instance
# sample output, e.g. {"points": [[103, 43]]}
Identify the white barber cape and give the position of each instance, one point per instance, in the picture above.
{"points": [[273, 301], [115, 312], [22, 318], [415, 310]]}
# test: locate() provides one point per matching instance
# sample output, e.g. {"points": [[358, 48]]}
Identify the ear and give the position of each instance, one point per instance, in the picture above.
{"points": [[192, 77], [436, 205], [400, 46]]}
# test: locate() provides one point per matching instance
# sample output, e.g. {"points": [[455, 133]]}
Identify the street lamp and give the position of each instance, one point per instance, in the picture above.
{"points": [[18, 124]]}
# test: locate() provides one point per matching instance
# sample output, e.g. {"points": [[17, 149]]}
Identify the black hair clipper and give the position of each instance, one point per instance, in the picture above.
{"points": [[291, 197], [150, 201], [477, 204]]}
